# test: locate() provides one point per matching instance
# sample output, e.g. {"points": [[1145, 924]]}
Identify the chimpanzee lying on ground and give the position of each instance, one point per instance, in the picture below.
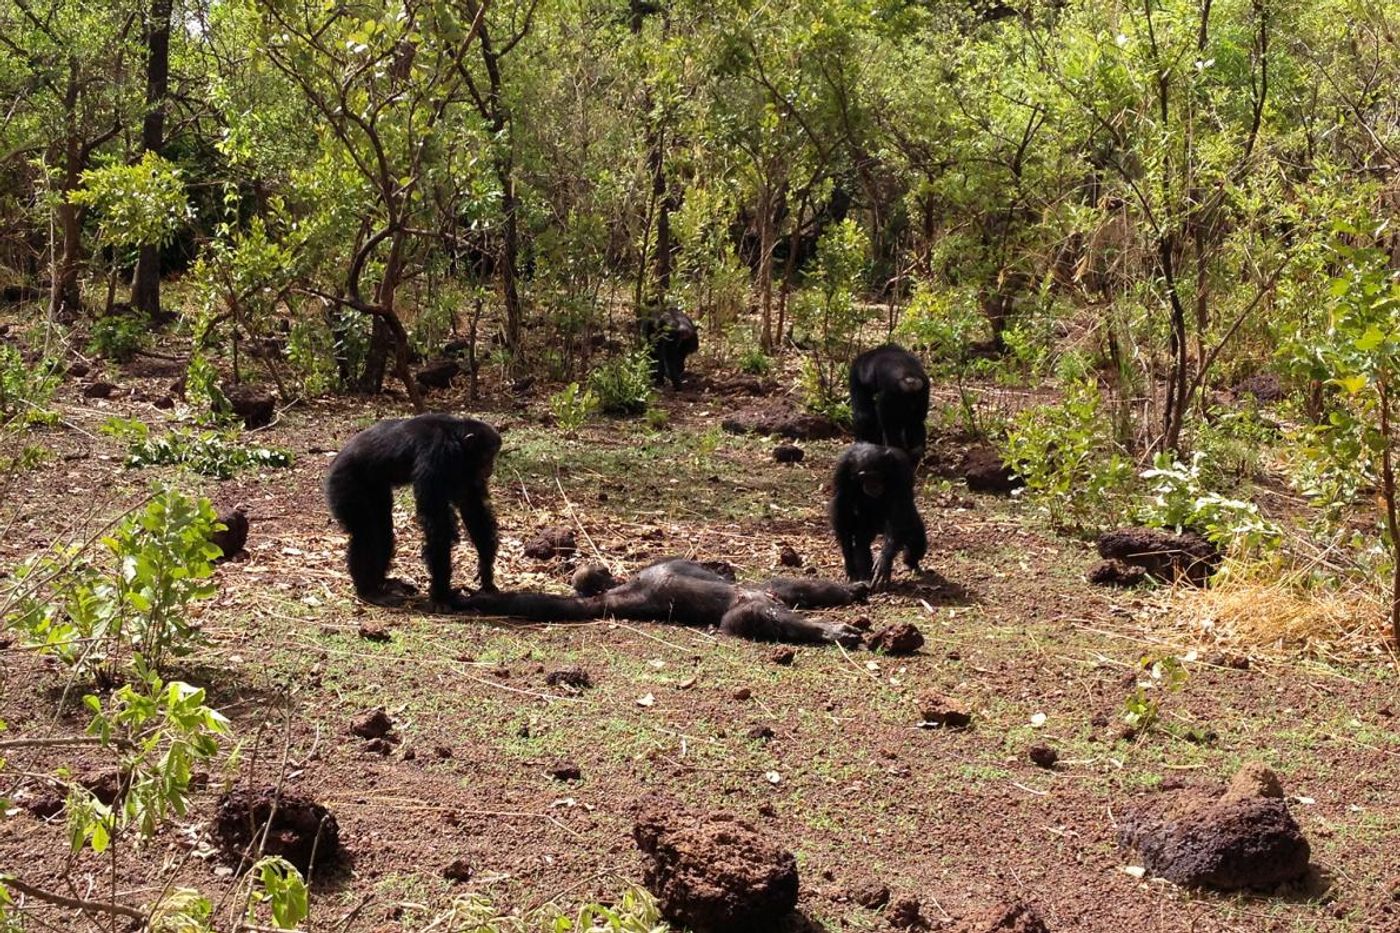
{"points": [[672, 336], [449, 462], [874, 495], [685, 593], [889, 399]]}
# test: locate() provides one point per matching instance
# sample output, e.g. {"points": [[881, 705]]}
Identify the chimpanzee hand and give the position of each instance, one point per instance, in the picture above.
{"points": [[881, 577], [860, 591], [847, 636]]}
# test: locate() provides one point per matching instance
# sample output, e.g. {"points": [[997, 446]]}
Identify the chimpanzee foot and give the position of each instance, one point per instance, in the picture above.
{"points": [[382, 597], [399, 588], [452, 602], [847, 636], [860, 591]]}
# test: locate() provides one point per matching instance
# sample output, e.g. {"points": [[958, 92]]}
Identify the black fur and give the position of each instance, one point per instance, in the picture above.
{"points": [[448, 461], [889, 399], [874, 495], [671, 336], [686, 593]]}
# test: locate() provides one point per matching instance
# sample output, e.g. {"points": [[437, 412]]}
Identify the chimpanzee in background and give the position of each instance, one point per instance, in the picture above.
{"points": [[449, 462], [686, 593], [889, 399], [874, 495], [671, 336]]}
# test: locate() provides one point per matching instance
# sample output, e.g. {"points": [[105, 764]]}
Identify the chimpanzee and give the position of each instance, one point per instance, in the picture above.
{"points": [[672, 336], [688, 593], [889, 399], [874, 495], [449, 462]]}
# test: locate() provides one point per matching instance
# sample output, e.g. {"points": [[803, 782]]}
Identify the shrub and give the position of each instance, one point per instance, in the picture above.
{"points": [[623, 384], [118, 337], [572, 406]]}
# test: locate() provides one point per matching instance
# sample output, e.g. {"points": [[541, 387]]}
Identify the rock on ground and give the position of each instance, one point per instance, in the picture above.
{"points": [[234, 537], [302, 831], [938, 710], [1008, 917], [1165, 556], [900, 638], [788, 453], [1116, 573], [552, 542], [1242, 838], [984, 471], [714, 874]]}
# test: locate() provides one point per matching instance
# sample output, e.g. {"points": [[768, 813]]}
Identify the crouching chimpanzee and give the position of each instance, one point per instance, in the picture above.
{"points": [[889, 399], [671, 336], [449, 462], [874, 495], [686, 593]]}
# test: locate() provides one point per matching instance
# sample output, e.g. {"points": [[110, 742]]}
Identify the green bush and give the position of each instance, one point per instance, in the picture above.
{"points": [[1179, 499], [119, 337], [25, 390], [572, 406], [209, 453], [623, 384]]}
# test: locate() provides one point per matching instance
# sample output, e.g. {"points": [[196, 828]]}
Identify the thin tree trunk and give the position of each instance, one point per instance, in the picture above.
{"points": [[765, 270], [1391, 524], [145, 281], [66, 301]]}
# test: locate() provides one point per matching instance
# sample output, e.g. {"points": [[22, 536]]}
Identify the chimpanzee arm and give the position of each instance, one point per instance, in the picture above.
{"points": [[865, 421], [844, 522], [798, 593], [536, 607], [767, 621], [434, 507]]}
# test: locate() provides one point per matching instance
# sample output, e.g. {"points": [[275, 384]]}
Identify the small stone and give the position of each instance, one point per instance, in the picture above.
{"points": [[574, 678], [565, 771], [938, 710], [409, 753], [371, 630], [789, 557], [552, 542], [1043, 756], [378, 746], [783, 656], [788, 453], [901, 638], [862, 623], [761, 733], [1254, 779], [372, 724], [743, 693], [442, 751], [458, 870], [99, 390], [78, 369]]}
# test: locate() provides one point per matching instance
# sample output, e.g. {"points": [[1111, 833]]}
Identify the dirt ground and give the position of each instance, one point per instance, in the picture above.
{"points": [[847, 779]]}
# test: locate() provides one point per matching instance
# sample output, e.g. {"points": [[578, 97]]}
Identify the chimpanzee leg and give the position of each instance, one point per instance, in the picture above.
{"points": [[814, 594], [865, 420], [771, 622], [480, 522], [369, 520], [439, 526]]}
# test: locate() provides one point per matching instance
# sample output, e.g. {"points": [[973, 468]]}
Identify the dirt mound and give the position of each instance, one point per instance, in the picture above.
{"points": [[1116, 573], [298, 829], [372, 724], [901, 638], [782, 421], [253, 405], [572, 678], [552, 542], [1165, 556], [714, 873], [788, 453], [99, 390], [1243, 838], [985, 471], [788, 556], [1008, 917], [935, 709], [235, 534]]}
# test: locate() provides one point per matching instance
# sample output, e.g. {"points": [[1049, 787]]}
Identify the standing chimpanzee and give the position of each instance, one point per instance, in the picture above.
{"points": [[686, 593], [671, 336], [449, 462], [874, 495], [889, 399]]}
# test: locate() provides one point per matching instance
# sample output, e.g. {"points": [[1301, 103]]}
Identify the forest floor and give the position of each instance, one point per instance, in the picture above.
{"points": [[848, 780]]}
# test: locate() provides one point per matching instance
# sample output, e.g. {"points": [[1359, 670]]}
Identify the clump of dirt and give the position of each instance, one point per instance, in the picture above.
{"points": [[783, 655], [297, 828], [872, 896], [1241, 838], [592, 579], [253, 405], [788, 556], [571, 678], [984, 471], [714, 873], [459, 869], [900, 638], [788, 453], [552, 542], [781, 421], [372, 724], [234, 537], [99, 390], [565, 771], [906, 913], [1043, 756], [371, 630], [1008, 917], [1116, 573], [438, 374], [1165, 556], [935, 709]]}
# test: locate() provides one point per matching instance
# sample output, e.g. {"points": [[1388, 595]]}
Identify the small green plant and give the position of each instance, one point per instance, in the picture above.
{"points": [[25, 389], [754, 361], [572, 406], [622, 385], [634, 912], [90, 618], [119, 337], [1179, 499], [209, 453], [657, 418], [1069, 460], [1142, 708], [280, 886]]}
